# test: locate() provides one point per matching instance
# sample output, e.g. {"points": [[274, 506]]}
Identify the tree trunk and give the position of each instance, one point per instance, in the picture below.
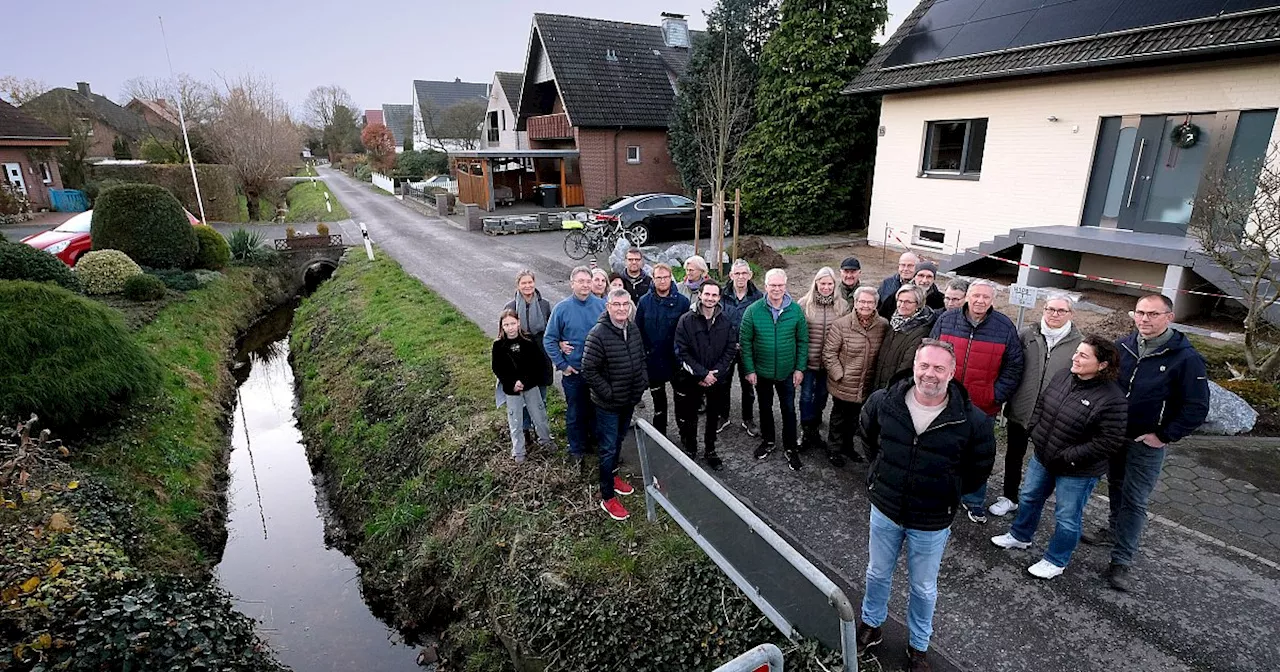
{"points": [[251, 200]]}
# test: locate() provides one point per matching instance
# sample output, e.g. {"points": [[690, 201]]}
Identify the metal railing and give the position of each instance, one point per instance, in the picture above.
{"points": [[792, 593], [763, 658]]}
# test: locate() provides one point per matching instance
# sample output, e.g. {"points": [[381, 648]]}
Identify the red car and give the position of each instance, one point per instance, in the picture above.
{"points": [[70, 240]]}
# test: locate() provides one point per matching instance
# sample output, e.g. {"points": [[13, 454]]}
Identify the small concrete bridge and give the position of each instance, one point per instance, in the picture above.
{"points": [[312, 258]]}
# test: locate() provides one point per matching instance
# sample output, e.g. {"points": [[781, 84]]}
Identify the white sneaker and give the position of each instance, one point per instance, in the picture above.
{"points": [[1044, 570], [1002, 507], [1006, 540]]}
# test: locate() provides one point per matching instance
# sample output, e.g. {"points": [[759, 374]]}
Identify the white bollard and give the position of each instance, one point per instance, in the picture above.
{"points": [[368, 244]]}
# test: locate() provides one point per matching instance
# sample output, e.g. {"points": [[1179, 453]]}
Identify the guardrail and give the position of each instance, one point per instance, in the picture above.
{"points": [[792, 593], [763, 658]]}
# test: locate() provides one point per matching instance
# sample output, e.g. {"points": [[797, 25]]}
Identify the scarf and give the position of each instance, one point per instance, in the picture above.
{"points": [[825, 300], [532, 319], [694, 286], [866, 323], [900, 323], [1053, 336]]}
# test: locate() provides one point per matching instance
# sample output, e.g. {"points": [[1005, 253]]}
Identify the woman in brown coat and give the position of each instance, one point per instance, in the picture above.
{"points": [[849, 355], [822, 306]]}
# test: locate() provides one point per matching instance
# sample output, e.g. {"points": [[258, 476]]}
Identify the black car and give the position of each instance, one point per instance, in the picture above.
{"points": [[655, 216]]}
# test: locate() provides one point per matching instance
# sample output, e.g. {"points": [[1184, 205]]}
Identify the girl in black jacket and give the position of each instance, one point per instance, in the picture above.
{"points": [[520, 366], [1079, 422]]}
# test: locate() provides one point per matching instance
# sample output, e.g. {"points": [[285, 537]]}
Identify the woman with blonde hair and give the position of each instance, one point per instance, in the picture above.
{"points": [[822, 306], [695, 273]]}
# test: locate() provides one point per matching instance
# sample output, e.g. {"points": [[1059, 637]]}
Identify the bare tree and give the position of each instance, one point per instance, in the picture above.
{"points": [[456, 127], [252, 132], [1236, 221], [19, 90], [321, 102]]}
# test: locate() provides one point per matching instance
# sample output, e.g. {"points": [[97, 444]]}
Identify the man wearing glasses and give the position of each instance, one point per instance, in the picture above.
{"points": [[775, 350], [1168, 389]]}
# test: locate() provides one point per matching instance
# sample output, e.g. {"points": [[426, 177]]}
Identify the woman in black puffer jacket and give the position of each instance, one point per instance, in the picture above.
{"points": [[1079, 422]]}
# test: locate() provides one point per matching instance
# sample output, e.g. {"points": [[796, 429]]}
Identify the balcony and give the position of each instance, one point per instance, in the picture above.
{"points": [[549, 127]]}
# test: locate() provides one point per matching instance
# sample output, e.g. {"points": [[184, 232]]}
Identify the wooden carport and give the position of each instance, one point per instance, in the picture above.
{"points": [[477, 172]]}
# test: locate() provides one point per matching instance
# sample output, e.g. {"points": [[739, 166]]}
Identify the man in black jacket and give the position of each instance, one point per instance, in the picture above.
{"points": [[706, 343], [926, 444], [635, 280], [1164, 378], [613, 365]]}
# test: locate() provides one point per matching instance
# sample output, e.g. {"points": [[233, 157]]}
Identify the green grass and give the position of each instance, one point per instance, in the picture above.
{"points": [[166, 457], [306, 204], [266, 210], [305, 171]]}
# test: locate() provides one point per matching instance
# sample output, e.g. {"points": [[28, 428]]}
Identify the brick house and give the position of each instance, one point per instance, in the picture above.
{"points": [[161, 116], [605, 89], [1074, 135], [26, 155], [104, 119]]}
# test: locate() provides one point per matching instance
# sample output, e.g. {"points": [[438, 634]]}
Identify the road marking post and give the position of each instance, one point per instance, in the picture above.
{"points": [[368, 244]]}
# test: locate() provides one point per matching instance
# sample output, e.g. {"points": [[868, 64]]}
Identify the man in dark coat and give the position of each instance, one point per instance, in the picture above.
{"points": [[988, 362], [706, 344], [850, 279], [926, 444], [634, 279], [735, 296], [1168, 389], [889, 286], [613, 366], [657, 315]]}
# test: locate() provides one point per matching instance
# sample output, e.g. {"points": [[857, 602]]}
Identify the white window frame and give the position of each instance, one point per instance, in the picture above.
{"points": [[633, 157], [46, 173], [917, 239]]}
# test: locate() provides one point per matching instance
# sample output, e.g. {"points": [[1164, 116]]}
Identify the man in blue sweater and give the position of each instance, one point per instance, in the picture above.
{"points": [[564, 340]]}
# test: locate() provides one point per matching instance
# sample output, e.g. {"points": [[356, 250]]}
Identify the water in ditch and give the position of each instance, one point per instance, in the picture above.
{"points": [[304, 594]]}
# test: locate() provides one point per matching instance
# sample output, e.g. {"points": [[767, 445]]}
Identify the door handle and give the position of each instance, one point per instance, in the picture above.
{"points": [[1137, 168]]}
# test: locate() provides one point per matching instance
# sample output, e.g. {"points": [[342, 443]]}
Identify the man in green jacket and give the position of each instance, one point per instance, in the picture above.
{"points": [[775, 351]]}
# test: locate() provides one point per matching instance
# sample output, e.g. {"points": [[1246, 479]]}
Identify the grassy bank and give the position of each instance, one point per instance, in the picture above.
{"points": [[306, 204], [266, 210], [517, 562]]}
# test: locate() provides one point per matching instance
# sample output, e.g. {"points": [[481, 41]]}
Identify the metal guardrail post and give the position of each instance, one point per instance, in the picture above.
{"points": [[647, 438], [753, 660]]}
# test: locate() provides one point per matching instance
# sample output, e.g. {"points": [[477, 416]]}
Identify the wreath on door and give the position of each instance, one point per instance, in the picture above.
{"points": [[1185, 135]]}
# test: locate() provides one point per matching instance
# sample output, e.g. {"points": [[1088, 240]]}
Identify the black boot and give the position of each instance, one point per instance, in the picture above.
{"points": [[835, 458], [713, 460]]}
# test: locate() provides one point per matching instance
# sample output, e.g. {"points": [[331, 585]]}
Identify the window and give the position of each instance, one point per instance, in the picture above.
{"points": [[925, 236], [654, 203], [633, 154], [954, 148], [46, 175], [681, 202], [504, 120]]}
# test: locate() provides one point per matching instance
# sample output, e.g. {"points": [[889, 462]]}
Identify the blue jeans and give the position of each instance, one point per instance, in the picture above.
{"points": [[611, 429], [1072, 494], [813, 396], [528, 421], [924, 557], [975, 500], [1133, 475], [578, 413]]}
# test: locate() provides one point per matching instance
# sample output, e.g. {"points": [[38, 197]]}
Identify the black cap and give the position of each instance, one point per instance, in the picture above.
{"points": [[851, 264]]}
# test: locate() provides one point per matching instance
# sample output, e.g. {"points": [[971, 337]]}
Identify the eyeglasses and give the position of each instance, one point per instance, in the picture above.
{"points": [[1057, 311], [619, 304], [908, 301], [1149, 314]]}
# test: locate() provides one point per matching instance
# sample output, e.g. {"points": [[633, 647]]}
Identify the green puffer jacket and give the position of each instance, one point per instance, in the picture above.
{"points": [[774, 350]]}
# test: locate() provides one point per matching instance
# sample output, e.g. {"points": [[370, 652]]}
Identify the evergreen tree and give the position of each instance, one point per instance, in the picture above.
{"points": [[120, 148], [812, 148]]}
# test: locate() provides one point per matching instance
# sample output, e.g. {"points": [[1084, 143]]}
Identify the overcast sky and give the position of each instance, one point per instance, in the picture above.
{"points": [[374, 50]]}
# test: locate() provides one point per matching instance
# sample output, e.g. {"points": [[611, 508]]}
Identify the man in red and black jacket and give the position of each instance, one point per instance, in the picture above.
{"points": [[988, 362]]}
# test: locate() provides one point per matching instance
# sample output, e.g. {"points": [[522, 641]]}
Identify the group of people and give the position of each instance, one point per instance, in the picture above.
{"points": [[917, 373]]}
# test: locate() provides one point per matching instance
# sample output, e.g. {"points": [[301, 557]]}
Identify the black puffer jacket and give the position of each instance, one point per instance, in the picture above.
{"points": [[613, 365], [704, 344], [915, 480], [1078, 425]]}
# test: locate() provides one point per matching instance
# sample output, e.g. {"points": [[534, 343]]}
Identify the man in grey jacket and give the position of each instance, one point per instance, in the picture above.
{"points": [[1047, 348]]}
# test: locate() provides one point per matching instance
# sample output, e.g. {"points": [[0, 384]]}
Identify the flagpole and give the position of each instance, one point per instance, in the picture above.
{"points": [[182, 120]]}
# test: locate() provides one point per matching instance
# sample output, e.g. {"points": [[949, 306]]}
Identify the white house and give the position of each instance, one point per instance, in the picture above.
{"points": [[1074, 135], [431, 100], [500, 119]]}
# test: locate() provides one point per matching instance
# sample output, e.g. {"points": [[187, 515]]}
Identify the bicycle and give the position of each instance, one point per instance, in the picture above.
{"points": [[596, 237]]}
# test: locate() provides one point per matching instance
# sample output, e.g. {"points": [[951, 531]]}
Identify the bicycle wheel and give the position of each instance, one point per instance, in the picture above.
{"points": [[577, 245]]}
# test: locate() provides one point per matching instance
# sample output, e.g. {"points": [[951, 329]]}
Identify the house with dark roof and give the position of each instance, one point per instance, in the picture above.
{"points": [[605, 90], [435, 114], [27, 164], [161, 115], [1077, 135], [500, 117], [399, 119], [104, 119]]}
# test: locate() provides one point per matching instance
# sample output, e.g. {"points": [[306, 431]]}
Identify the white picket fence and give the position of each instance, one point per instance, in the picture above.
{"points": [[384, 183]]}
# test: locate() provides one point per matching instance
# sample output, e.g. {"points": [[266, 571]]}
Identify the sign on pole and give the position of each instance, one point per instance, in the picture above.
{"points": [[1024, 297]]}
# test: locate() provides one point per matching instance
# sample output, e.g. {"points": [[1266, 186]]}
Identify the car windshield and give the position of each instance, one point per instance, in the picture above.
{"points": [[78, 224]]}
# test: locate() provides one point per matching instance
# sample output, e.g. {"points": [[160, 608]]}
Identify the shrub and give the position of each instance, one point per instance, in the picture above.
{"points": [[145, 222], [290, 232], [156, 151], [23, 262], [144, 287], [246, 245], [93, 188], [67, 358], [322, 229], [213, 253], [364, 172], [105, 271], [217, 184], [175, 279]]}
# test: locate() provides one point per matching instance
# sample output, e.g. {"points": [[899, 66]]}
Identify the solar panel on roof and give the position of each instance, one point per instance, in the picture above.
{"points": [[1064, 21], [921, 47], [1245, 5], [1140, 13], [991, 34], [994, 8], [946, 13]]}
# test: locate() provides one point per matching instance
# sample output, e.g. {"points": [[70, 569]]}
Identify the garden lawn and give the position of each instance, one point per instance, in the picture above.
{"points": [[266, 210], [306, 204]]}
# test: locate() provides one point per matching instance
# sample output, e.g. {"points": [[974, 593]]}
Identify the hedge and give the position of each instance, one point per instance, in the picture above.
{"points": [[145, 222], [217, 185], [19, 261]]}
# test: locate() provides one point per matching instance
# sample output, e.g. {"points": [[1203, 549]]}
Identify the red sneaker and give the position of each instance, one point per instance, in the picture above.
{"points": [[622, 487], [614, 508]]}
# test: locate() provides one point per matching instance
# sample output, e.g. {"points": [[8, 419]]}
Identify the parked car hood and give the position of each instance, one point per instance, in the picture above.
{"points": [[47, 238]]}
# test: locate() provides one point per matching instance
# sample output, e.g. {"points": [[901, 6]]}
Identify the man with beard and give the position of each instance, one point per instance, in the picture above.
{"points": [[926, 444], [706, 343]]}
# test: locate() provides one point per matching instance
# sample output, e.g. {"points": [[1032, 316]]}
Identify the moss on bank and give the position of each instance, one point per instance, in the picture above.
{"points": [[517, 561]]}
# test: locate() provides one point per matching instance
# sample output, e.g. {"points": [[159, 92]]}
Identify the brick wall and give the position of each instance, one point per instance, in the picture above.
{"points": [[606, 173], [1036, 172], [37, 191]]}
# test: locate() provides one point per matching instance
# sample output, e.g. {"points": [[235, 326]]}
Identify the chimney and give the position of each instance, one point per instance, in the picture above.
{"points": [[83, 88], [457, 80], [675, 30]]}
